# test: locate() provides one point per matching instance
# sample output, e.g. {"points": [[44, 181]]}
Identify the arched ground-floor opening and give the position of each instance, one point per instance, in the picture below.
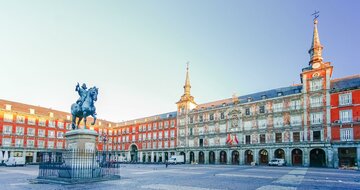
{"points": [[133, 153], [223, 157], [317, 158], [249, 157], [263, 157], [149, 157], [279, 153], [192, 157], [166, 156], [235, 157], [296, 156], [183, 154], [211, 157], [201, 157]]}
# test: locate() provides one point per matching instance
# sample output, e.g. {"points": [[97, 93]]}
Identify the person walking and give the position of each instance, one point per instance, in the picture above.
{"points": [[166, 163]]}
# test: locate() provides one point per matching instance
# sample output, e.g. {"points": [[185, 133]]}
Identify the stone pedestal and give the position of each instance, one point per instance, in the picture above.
{"points": [[80, 156]]}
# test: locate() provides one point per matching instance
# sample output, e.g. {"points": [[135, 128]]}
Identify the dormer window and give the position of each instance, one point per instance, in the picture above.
{"points": [[263, 97], [32, 111], [280, 93], [51, 114], [224, 104], [8, 107], [249, 99], [68, 117]]}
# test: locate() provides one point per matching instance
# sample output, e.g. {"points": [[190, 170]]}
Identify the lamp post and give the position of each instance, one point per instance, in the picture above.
{"points": [[104, 138]]}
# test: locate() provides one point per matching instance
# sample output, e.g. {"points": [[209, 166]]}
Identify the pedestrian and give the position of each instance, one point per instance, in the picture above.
{"points": [[166, 163]]}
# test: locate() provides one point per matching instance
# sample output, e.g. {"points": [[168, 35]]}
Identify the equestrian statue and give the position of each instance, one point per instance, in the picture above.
{"points": [[84, 106]]}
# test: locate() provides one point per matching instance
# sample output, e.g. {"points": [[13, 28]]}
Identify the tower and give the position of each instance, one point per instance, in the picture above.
{"points": [[316, 93], [184, 106]]}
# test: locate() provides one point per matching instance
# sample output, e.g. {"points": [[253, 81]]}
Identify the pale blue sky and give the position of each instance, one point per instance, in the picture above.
{"points": [[136, 51]]}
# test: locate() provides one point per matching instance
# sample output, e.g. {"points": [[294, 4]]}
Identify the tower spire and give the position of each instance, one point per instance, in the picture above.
{"points": [[187, 81], [315, 50]]}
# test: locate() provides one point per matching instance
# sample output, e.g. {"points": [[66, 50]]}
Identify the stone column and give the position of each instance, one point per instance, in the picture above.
{"points": [[34, 157], [288, 157], [330, 160], [242, 157], [187, 157], [217, 157], [229, 156], [152, 156], [206, 157], [256, 156], [163, 156], [336, 157], [196, 156], [306, 160]]}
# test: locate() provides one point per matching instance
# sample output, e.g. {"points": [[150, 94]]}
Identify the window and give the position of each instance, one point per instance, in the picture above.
{"points": [[149, 136], [280, 93], [166, 134], [30, 143], [191, 131], [247, 139], [140, 128], [296, 136], [222, 115], [211, 117], [278, 121], [159, 144], [20, 119], [149, 127], [277, 107], [222, 128], [262, 138], [346, 134], [154, 126], [160, 135], [144, 136], [346, 116], [172, 132], [278, 137], [41, 133], [7, 130], [133, 138], [295, 120], [41, 144], [51, 123], [68, 126], [201, 119], [295, 105], [247, 125], [19, 142], [154, 135], [50, 144], [160, 125], [316, 118], [172, 144], [19, 130], [60, 135], [60, 125], [166, 124], [201, 130], [59, 145], [172, 123], [345, 99], [31, 121], [42, 122], [316, 136], [51, 134], [262, 109], [247, 111], [8, 117], [144, 127], [262, 123], [154, 144], [191, 119], [316, 84], [6, 142], [316, 101], [31, 132]]}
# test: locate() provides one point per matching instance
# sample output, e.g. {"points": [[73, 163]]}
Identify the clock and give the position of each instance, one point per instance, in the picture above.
{"points": [[316, 65]]}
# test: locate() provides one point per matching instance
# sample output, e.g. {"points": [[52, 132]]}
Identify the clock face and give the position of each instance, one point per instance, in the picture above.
{"points": [[316, 65]]}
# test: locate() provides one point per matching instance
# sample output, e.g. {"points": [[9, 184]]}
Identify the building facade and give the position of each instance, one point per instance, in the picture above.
{"points": [[314, 123]]}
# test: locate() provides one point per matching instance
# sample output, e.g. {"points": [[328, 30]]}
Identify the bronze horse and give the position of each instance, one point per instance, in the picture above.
{"points": [[85, 109]]}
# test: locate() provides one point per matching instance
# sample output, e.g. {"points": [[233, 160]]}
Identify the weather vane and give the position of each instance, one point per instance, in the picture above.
{"points": [[316, 14]]}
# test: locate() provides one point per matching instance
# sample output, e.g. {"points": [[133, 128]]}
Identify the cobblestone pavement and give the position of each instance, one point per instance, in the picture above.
{"points": [[198, 177]]}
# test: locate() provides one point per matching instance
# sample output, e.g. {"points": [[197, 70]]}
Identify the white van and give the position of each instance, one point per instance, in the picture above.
{"points": [[176, 159], [15, 161], [277, 162]]}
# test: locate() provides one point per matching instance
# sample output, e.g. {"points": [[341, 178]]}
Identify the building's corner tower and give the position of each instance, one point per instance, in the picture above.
{"points": [[316, 96], [184, 106]]}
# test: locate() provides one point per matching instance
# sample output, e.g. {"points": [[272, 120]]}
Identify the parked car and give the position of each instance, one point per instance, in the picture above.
{"points": [[277, 162], [15, 161]]}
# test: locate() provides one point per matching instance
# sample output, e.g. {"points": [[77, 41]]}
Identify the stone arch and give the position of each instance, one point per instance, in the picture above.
{"points": [[297, 157], [223, 158], [235, 157], [263, 157], [249, 157], [317, 157], [201, 157], [211, 157]]}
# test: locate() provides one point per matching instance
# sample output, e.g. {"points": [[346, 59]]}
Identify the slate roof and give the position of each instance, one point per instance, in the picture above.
{"points": [[347, 83]]}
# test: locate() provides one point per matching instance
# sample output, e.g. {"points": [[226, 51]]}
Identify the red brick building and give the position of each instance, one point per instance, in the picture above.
{"points": [[345, 121]]}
